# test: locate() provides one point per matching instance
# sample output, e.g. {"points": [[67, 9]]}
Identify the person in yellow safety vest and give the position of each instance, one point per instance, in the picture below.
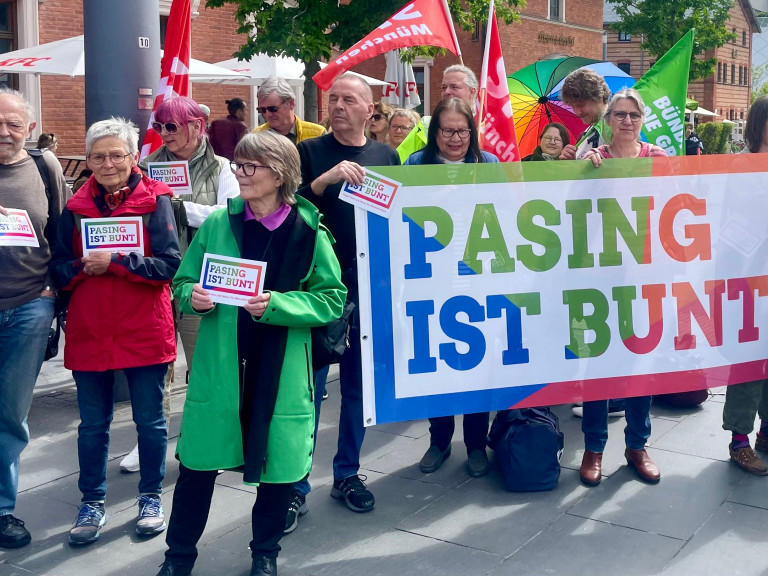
{"points": [[276, 104]]}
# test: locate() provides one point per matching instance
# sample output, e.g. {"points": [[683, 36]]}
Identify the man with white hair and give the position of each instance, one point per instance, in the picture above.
{"points": [[27, 294], [276, 104], [458, 82]]}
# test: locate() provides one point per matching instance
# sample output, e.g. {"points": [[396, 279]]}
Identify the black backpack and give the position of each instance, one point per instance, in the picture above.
{"points": [[528, 445]]}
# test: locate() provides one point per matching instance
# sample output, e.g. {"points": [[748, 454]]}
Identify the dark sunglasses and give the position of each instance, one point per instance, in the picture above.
{"points": [[170, 127], [377, 117], [264, 109]]}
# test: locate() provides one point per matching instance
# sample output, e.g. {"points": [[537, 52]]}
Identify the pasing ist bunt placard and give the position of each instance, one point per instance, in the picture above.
{"points": [[494, 286]]}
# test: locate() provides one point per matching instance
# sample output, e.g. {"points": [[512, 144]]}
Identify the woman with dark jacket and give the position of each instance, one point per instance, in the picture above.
{"points": [[552, 140], [250, 402], [225, 133], [119, 318], [452, 139]]}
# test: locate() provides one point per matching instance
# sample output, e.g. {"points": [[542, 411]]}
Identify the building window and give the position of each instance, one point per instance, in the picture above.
{"points": [[163, 30], [8, 39], [554, 9], [731, 114], [476, 32], [741, 76], [719, 72], [725, 73], [744, 38], [625, 37], [734, 36], [733, 73], [624, 67]]}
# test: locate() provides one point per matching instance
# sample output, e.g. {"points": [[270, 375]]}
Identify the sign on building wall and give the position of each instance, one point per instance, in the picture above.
{"points": [[501, 285]]}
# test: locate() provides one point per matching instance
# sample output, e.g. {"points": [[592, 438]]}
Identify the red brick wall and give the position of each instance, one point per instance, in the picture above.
{"points": [[63, 98]]}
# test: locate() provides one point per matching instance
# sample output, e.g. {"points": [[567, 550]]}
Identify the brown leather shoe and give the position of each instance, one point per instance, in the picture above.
{"points": [[761, 443], [591, 468], [643, 465], [747, 460]]}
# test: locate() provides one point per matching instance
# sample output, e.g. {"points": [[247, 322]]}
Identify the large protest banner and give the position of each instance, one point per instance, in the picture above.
{"points": [[508, 285]]}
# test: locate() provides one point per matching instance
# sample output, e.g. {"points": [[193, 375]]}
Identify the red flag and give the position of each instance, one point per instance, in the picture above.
{"points": [[419, 23], [174, 67], [497, 126]]}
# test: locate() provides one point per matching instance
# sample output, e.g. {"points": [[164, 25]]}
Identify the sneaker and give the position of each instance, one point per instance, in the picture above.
{"points": [[761, 443], [12, 532], [91, 517], [325, 395], [131, 461], [747, 460], [151, 520], [477, 463], [354, 492], [616, 412], [297, 507]]}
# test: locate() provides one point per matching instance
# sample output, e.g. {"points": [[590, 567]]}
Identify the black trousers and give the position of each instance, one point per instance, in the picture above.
{"points": [[475, 431], [192, 502]]}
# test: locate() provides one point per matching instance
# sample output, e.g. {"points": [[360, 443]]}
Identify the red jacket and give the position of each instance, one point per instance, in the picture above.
{"points": [[122, 318]]}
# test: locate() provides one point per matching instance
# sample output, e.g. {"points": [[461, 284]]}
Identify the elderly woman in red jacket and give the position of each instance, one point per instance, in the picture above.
{"points": [[119, 315]]}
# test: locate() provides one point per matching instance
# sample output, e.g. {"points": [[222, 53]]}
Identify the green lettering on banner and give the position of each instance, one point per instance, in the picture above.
{"points": [[579, 323], [615, 223], [483, 219], [539, 235]]}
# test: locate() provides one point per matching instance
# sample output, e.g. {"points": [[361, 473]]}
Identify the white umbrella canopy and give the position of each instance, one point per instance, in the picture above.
{"points": [[67, 58]]}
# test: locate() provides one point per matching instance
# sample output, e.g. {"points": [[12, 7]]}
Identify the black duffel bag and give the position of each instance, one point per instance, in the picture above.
{"points": [[329, 342]]}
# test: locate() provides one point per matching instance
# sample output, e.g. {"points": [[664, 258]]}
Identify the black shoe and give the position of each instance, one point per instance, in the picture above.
{"points": [[263, 566], [477, 464], [170, 569], [433, 459], [297, 507], [12, 532], [354, 492]]}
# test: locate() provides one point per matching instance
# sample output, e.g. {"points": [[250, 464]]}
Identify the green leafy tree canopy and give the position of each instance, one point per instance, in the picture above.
{"points": [[663, 22]]}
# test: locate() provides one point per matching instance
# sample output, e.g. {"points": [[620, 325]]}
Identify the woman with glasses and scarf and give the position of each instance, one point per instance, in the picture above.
{"points": [[452, 139], [250, 403], [119, 316], [553, 138]]}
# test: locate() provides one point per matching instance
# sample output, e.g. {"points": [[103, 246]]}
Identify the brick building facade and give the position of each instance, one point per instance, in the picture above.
{"points": [[60, 99], [727, 91]]}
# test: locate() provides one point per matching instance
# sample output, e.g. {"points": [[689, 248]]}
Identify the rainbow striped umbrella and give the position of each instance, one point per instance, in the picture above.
{"points": [[535, 95]]}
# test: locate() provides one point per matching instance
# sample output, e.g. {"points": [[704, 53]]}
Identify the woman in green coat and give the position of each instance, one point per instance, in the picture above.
{"points": [[250, 403]]}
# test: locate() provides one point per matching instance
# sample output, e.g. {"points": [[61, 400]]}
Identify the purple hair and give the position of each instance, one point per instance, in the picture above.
{"points": [[180, 110]]}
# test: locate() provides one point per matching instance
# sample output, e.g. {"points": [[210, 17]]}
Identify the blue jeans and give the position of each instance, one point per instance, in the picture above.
{"points": [[595, 423], [96, 402], [320, 376], [23, 338]]}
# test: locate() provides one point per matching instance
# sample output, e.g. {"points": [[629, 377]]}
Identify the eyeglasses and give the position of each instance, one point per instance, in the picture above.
{"points": [[633, 116], [170, 127], [448, 133], [248, 168], [116, 159], [553, 139], [14, 126], [397, 128], [264, 109], [377, 117]]}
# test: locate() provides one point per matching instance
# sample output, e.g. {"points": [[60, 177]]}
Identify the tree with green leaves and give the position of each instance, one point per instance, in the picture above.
{"points": [[759, 82], [664, 22], [308, 30]]}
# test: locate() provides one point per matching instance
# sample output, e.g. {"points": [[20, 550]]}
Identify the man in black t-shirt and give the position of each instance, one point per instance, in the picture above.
{"points": [[326, 162]]}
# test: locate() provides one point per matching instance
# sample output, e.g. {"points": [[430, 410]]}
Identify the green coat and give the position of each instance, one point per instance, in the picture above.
{"points": [[210, 436]]}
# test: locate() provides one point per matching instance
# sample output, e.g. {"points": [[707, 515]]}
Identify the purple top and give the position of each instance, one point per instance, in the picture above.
{"points": [[270, 221]]}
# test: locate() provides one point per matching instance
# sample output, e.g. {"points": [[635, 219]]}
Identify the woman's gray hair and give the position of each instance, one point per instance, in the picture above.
{"points": [[410, 115], [277, 152], [278, 86], [121, 128], [626, 94]]}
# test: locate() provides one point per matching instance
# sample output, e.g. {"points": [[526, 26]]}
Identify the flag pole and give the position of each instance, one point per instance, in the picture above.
{"points": [[484, 73], [453, 31]]}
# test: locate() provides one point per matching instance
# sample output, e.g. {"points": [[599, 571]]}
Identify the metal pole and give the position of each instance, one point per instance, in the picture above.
{"points": [[122, 59]]}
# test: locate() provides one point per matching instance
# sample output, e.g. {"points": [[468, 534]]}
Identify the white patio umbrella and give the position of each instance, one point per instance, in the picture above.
{"points": [[67, 58]]}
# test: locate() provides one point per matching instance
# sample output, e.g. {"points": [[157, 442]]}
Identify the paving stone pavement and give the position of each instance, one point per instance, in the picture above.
{"points": [[705, 517]]}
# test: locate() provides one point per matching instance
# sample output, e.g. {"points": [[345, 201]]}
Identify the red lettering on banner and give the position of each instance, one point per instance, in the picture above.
{"points": [[29, 62]]}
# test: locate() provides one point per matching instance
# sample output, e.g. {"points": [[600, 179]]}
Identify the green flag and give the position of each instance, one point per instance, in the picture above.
{"points": [[664, 89], [415, 141]]}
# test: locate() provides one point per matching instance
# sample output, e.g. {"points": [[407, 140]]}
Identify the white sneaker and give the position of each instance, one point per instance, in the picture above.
{"points": [[131, 462]]}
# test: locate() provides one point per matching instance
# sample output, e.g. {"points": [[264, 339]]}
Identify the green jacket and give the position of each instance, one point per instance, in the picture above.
{"points": [[211, 436]]}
